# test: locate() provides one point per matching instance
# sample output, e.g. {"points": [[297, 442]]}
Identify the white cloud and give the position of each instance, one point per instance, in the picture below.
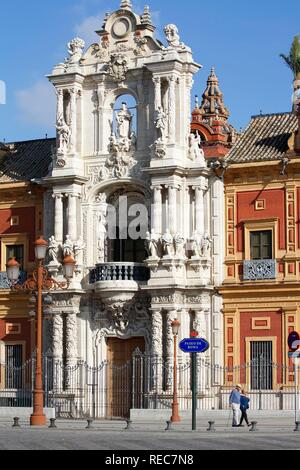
{"points": [[86, 29], [37, 104]]}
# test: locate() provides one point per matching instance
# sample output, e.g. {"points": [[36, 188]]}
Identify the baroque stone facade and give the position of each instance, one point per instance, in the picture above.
{"points": [[108, 151]]}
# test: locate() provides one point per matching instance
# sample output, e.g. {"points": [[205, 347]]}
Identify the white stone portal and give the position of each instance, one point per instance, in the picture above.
{"points": [[124, 287]]}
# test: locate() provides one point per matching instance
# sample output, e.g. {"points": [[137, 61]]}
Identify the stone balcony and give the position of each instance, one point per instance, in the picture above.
{"points": [[260, 270], [116, 277], [112, 272], [4, 282]]}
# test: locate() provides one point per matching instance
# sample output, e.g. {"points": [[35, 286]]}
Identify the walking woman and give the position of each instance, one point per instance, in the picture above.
{"points": [[244, 407]]}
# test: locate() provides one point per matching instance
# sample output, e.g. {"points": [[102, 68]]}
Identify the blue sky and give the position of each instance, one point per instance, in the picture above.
{"points": [[241, 38]]}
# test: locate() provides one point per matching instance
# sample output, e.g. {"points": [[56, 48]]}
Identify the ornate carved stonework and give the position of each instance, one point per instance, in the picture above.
{"points": [[118, 67], [122, 318], [157, 332], [57, 336]]}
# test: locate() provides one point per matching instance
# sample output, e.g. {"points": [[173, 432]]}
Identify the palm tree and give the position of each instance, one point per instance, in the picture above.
{"points": [[293, 59]]}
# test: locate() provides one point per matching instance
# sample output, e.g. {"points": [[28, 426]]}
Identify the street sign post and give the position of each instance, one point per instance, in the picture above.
{"points": [[194, 346]]}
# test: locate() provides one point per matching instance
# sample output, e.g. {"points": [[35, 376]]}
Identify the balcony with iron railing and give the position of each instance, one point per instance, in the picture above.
{"points": [[119, 272], [5, 283], [260, 270]]}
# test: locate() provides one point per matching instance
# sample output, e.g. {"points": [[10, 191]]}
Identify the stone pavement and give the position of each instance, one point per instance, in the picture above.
{"points": [[112, 436]]}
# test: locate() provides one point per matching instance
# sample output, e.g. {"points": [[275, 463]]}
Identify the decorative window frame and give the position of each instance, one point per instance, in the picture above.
{"points": [[12, 333], [14, 221], [18, 343], [260, 205], [248, 341], [10, 240], [258, 226], [265, 319]]}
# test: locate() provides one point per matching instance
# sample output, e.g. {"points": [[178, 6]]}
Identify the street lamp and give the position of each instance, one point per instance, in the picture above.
{"points": [[37, 283], [175, 418]]}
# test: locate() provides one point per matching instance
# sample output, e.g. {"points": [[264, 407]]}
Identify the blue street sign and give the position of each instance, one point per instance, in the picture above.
{"points": [[194, 345]]}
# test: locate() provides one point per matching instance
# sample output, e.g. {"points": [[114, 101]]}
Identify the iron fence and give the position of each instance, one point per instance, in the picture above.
{"points": [[145, 382]]}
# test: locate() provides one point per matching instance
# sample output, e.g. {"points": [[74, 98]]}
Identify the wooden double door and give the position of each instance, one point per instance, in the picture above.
{"points": [[121, 385]]}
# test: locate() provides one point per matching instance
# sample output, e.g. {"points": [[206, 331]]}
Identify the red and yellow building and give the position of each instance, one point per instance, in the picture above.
{"points": [[262, 267], [21, 221]]}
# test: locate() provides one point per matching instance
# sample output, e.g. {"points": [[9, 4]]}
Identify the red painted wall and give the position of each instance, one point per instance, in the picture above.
{"points": [[247, 331], [275, 207], [298, 217], [27, 225]]}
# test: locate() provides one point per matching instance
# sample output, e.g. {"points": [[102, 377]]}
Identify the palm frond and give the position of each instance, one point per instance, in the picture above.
{"points": [[293, 59]]}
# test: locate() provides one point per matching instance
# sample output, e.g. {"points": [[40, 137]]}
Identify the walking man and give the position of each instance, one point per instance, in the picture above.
{"points": [[235, 403]]}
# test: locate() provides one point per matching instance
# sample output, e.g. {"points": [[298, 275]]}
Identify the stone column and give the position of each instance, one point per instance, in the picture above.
{"points": [[58, 218], [101, 93], [157, 209], [71, 348], [171, 315], [199, 209], [73, 94], [157, 92], [200, 323], [157, 348], [186, 212], [60, 104], [57, 351], [172, 109], [72, 216], [172, 208]]}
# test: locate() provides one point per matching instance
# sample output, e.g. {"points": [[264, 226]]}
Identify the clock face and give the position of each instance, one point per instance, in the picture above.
{"points": [[121, 27]]}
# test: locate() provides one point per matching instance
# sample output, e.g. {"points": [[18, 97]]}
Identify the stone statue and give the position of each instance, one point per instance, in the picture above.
{"points": [[68, 247], [172, 36], [195, 150], [53, 251], [167, 242], [206, 244], [179, 246], [151, 244], [101, 237], [78, 251], [160, 123], [75, 49], [64, 135], [124, 121], [197, 244]]}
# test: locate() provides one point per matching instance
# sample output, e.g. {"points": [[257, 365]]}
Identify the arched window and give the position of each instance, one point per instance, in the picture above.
{"points": [[124, 123]]}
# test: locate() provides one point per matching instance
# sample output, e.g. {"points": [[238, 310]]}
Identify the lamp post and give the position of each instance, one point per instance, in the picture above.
{"points": [[175, 418], [37, 283]]}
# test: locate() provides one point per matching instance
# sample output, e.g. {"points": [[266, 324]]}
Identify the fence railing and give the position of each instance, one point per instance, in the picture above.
{"points": [[145, 382]]}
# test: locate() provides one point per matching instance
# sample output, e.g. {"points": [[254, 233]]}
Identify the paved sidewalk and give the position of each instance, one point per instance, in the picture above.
{"points": [[112, 436]]}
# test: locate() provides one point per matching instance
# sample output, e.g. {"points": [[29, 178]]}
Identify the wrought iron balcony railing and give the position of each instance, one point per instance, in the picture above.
{"points": [[4, 282], [256, 270], [119, 272]]}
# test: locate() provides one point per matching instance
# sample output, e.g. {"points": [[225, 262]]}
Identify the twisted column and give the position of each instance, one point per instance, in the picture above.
{"points": [[157, 348]]}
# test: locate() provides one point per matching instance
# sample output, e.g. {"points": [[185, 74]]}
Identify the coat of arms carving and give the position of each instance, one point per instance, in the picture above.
{"points": [[118, 67]]}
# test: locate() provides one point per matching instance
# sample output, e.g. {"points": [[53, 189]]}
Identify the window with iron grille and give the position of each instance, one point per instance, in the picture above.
{"points": [[261, 245], [261, 365], [13, 366]]}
